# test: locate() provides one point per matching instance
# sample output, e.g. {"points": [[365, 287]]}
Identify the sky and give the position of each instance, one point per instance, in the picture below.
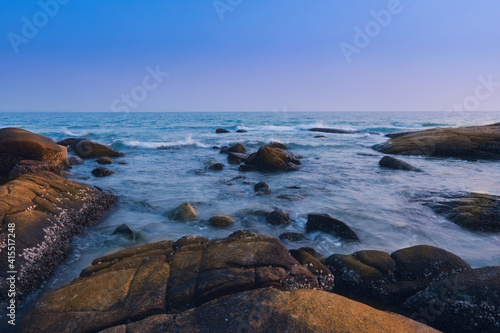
{"points": [[249, 55]]}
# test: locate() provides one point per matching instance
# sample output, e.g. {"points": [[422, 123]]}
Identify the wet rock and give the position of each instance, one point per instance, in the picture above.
{"points": [[28, 166], [473, 211], [319, 136], [75, 160], [328, 224], [322, 273], [190, 240], [216, 167], [290, 197], [236, 158], [271, 160], [215, 147], [89, 149], [277, 145], [156, 279], [104, 160], [17, 144], [241, 131], [262, 188], [102, 172], [332, 130], [473, 142], [183, 212], [394, 163], [47, 211], [312, 252], [224, 150], [69, 141], [220, 221], [221, 130], [292, 236], [247, 168], [122, 162], [126, 231], [278, 217], [243, 234], [465, 302], [238, 148]]}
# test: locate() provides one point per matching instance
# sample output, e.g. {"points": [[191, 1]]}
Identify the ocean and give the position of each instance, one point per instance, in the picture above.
{"points": [[167, 154]]}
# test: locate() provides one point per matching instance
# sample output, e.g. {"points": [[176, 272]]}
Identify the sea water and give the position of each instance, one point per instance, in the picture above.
{"points": [[167, 155]]}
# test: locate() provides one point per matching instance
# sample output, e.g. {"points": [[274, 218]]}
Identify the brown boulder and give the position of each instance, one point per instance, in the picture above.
{"points": [[270, 159], [89, 149]]}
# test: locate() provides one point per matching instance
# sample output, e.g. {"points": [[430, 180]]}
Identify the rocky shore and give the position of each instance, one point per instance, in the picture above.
{"points": [[245, 281]]}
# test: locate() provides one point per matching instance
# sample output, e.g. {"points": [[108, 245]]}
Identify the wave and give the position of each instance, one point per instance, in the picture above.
{"points": [[187, 142], [80, 134]]}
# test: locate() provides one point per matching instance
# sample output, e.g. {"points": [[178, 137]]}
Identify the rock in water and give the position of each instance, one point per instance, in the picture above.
{"points": [[394, 163], [89, 149], [292, 236], [216, 167], [75, 160], [328, 224], [104, 160], [278, 217], [262, 188], [183, 212], [474, 142], [238, 148], [47, 212], [17, 144], [473, 211], [270, 159], [236, 158], [221, 130], [102, 172], [241, 131], [125, 230], [278, 145], [332, 130], [221, 221]]}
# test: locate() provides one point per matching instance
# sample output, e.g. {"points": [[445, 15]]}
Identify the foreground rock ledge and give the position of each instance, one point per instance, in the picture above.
{"points": [[246, 281], [473, 142], [47, 212]]}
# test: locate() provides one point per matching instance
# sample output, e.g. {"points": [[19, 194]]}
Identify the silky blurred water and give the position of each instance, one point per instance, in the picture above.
{"points": [[339, 175]]}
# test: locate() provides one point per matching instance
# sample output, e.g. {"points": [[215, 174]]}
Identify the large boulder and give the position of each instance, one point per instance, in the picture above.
{"points": [[473, 142], [45, 212], [90, 149], [465, 302], [270, 159], [165, 278], [17, 144], [328, 224], [473, 211]]}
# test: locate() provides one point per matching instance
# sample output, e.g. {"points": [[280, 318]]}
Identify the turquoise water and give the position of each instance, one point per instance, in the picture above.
{"points": [[339, 175]]}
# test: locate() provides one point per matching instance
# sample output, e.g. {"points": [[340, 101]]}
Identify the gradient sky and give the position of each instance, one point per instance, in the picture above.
{"points": [[264, 55]]}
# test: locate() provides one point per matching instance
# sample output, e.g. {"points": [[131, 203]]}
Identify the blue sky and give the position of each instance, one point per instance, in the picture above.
{"points": [[249, 55]]}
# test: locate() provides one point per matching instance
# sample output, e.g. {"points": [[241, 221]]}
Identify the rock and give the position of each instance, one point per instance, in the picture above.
{"points": [[220, 221], [465, 302], [246, 168], [292, 236], [183, 212], [28, 166], [241, 131], [236, 158], [224, 150], [278, 217], [425, 261], [277, 145], [47, 211], [215, 147], [104, 160], [156, 279], [125, 230], [189, 240], [261, 186], [319, 136], [102, 172], [270, 160], [89, 149], [322, 273], [122, 162], [259, 310], [473, 142], [68, 142], [326, 223], [394, 163], [17, 144], [473, 211], [221, 130], [332, 130], [243, 234], [312, 252], [238, 148], [216, 167], [75, 160], [290, 197]]}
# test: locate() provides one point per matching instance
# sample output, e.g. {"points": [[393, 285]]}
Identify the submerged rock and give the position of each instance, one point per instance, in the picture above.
{"points": [[75, 160], [332, 130], [90, 149], [102, 172], [278, 217], [236, 158], [104, 160], [270, 159], [241, 131], [221, 221], [125, 230], [221, 130], [47, 211], [261, 188], [292, 236], [473, 211], [473, 142], [394, 163], [216, 167], [17, 144], [328, 224], [184, 212]]}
